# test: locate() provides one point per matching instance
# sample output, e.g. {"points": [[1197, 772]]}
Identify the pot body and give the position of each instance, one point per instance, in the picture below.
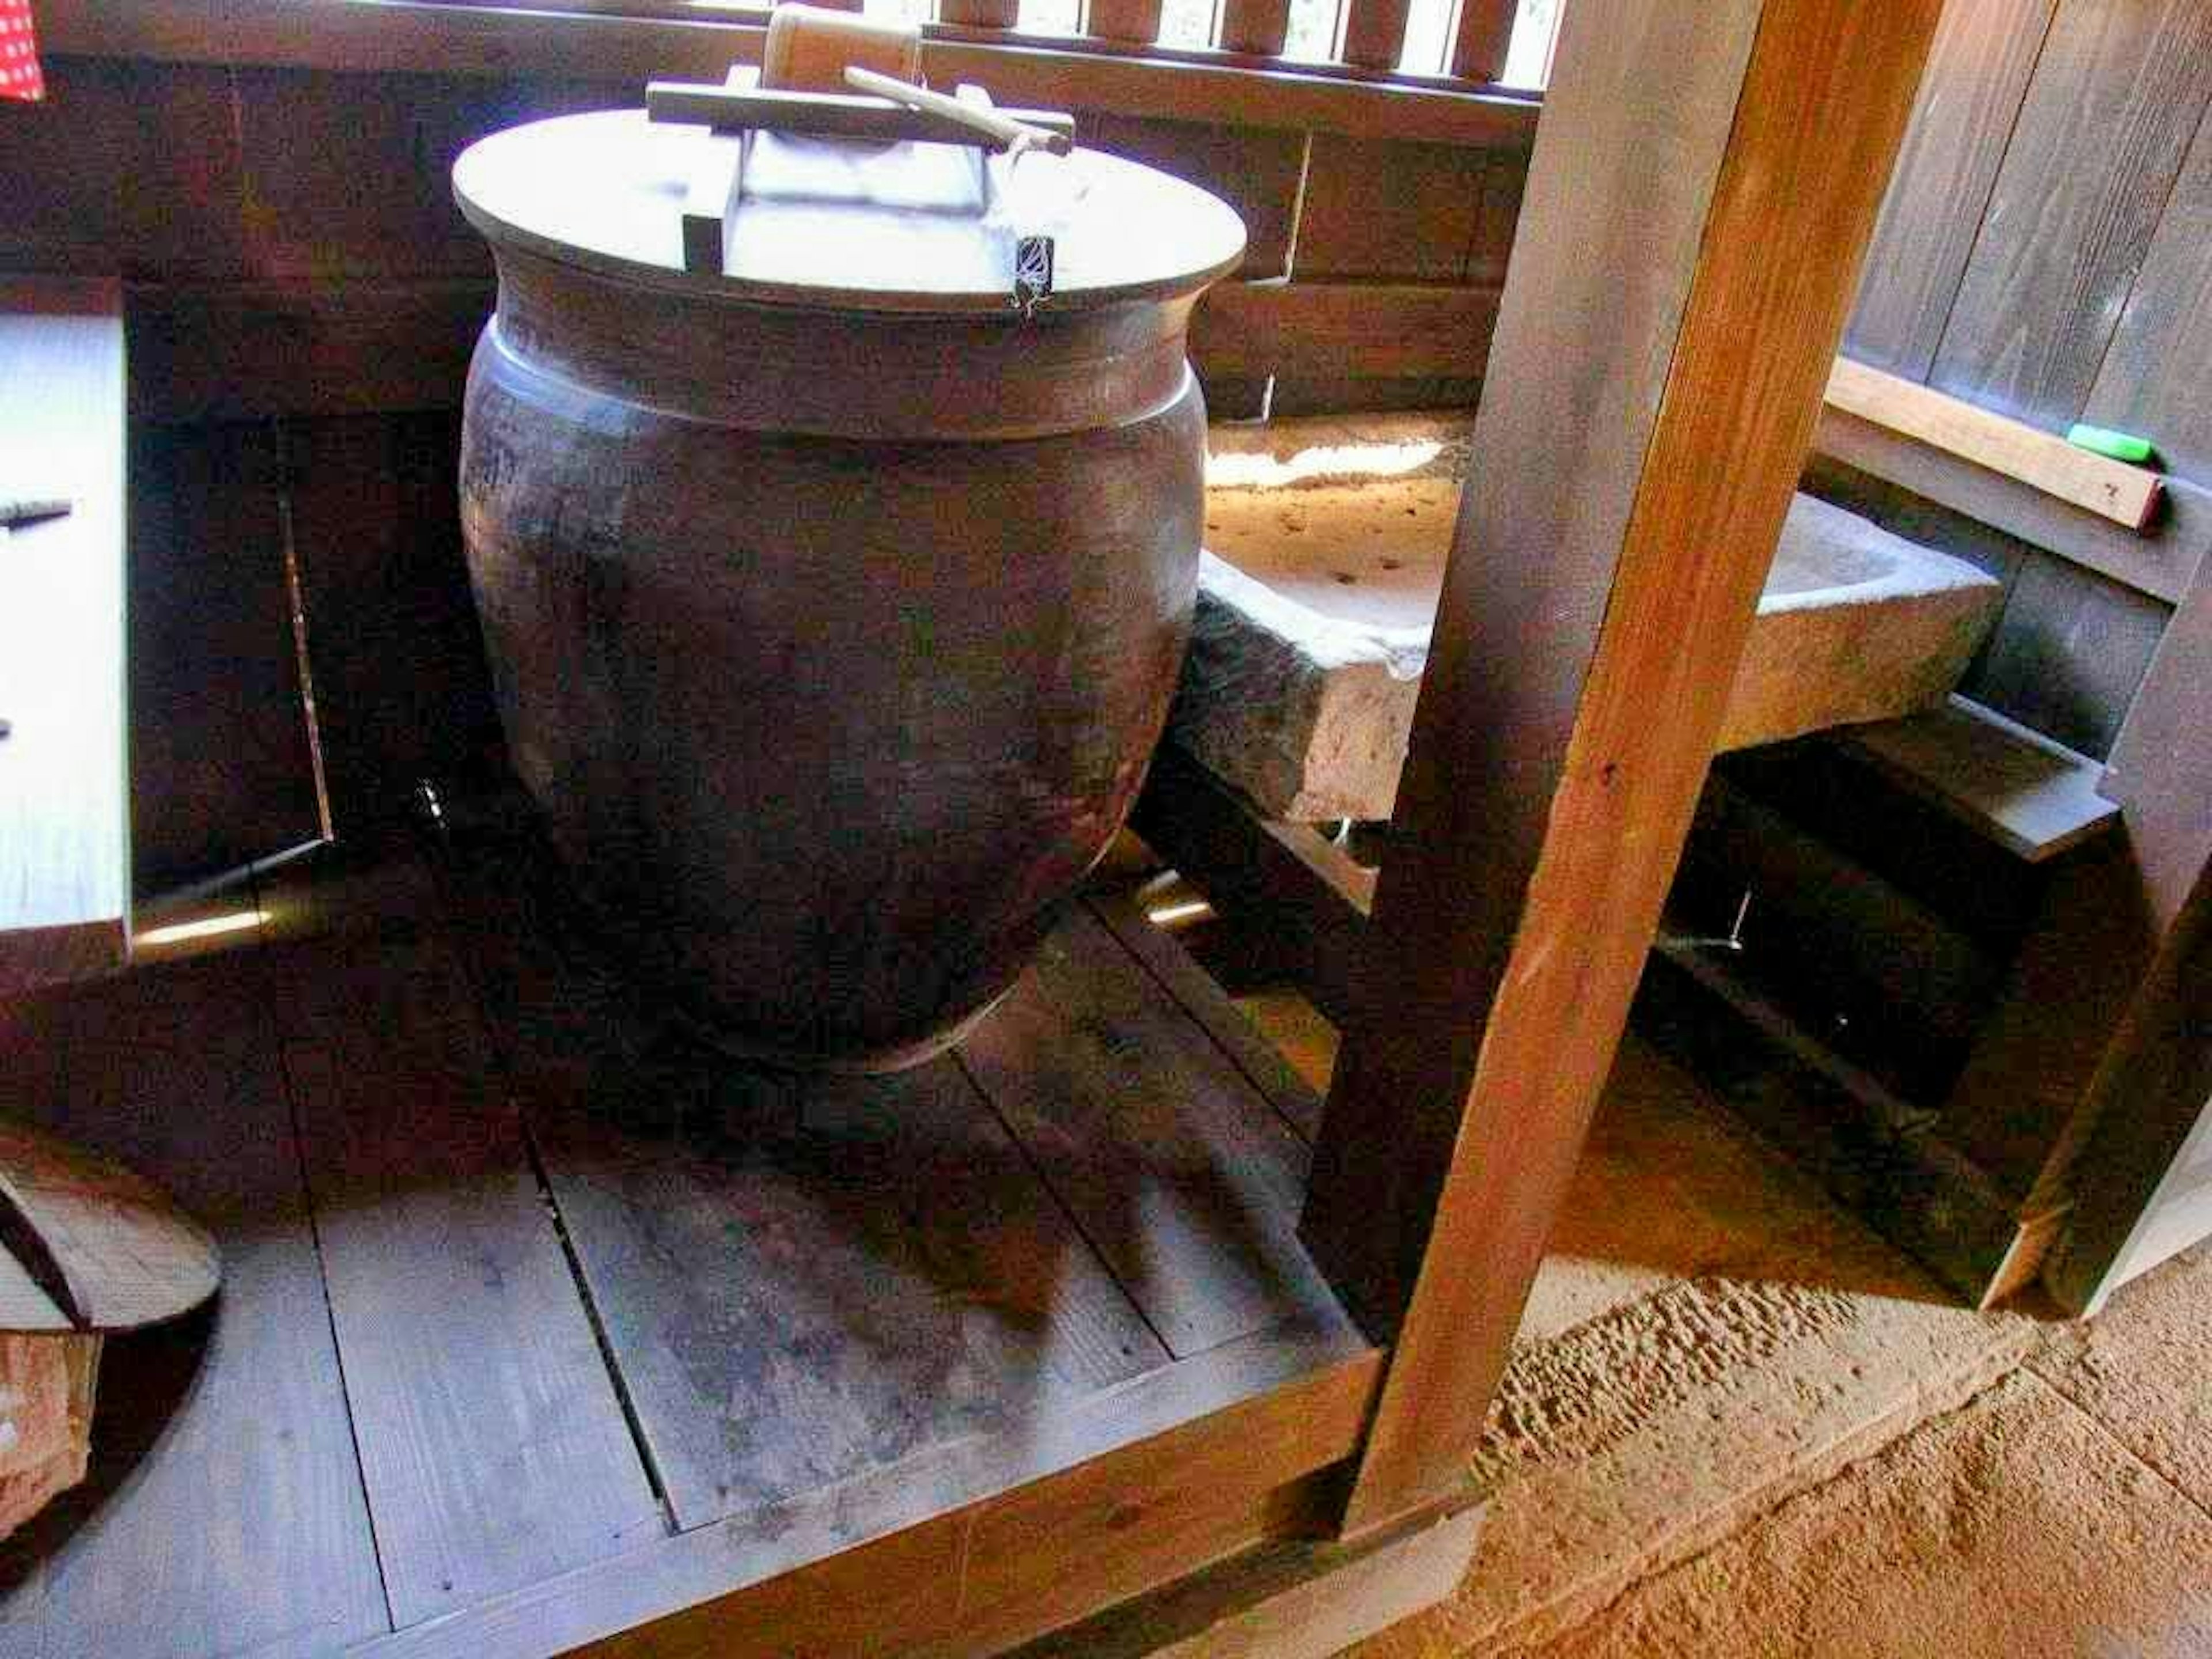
{"points": [[827, 722]]}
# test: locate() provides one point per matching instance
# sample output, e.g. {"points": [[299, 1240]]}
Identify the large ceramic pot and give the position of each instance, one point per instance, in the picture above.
{"points": [[834, 607]]}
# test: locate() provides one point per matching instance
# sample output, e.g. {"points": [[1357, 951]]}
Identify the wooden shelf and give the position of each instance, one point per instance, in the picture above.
{"points": [[542, 1321]]}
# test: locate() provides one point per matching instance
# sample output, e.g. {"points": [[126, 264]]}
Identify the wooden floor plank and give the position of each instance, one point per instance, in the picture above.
{"points": [[224, 1512], [801, 1282], [1180, 1173], [494, 1449]]}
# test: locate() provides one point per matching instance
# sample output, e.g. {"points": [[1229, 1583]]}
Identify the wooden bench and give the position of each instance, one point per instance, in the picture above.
{"points": [[64, 821]]}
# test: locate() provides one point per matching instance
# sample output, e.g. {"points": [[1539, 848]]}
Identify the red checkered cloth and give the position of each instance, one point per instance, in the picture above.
{"points": [[19, 52]]}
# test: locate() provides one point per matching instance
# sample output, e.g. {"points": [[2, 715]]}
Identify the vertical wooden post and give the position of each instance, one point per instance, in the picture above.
{"points": [[1483, 37], [1703, 186]]}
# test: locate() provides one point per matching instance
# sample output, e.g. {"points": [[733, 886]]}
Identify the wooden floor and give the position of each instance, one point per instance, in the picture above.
{"points": [[542, 1321]]}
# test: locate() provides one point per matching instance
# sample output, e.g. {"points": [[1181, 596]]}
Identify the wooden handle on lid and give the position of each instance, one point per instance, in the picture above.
{"points": [[809, 49], [1004, 129]]}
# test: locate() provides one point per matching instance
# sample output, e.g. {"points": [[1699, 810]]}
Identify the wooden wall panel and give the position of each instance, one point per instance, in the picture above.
{"points": [[1969, 99], [2114, 103], [1377, 208], [64, 164], [2157, 379], [2069, 654], [221, 772]]}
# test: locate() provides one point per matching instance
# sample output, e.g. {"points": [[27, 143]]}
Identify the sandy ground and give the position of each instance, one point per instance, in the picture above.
{"points": [[1739, 1424]]}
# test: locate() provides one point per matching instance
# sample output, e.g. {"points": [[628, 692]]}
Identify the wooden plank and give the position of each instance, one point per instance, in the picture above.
{"points": [[1134, 20], [402, 691], [2068, 653], [1565, 726], [2160, 563], [420, 37], [2117, 94], [1374, 209], [1261, 1062], [806, 1283], [878, 1565], [2028, 792], [1305, 1600], [1374, 34], [1483, 37], [2128, 496], [224, 769], [1178, 1172], [495, 1450], [64, 815], [1369, 330], [801, 1284], [2154, 378], [1970, 98], [224, 1511]]}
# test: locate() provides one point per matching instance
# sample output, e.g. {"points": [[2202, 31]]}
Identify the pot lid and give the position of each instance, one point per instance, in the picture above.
{"points": [[846, 223]]}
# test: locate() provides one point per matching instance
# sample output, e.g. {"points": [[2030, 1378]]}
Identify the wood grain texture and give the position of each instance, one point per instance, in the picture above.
{"points": [[1134, 20], [1970, 99], [224, 1511], [1374, 33], [64, 811], [2126, 494], [222, 764], [884, 1563], [2154, 378], [1257, 26], [1548, 805], [1179, 1173], [2035, 796], [494, 1449], [2116, 97]]}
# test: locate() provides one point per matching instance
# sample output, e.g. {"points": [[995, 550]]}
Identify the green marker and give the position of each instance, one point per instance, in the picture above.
{"points": [[2120, 445]]}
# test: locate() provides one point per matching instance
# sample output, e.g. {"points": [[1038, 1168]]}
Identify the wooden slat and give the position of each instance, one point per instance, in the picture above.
{"points": [[2154, 378], [415, 36], [64, 815], [2118, 92], [1593, 613], [806, 1283], [495, 1450], [224, 1512], [1970, 98], [1260, 1061], [2160, 564], [1177, 1170], [1377, 211], [2026, 790], [2112, 489], [1369, 330], [1258, 27], [885, 1559], [1374, 33], [1483, 37]]}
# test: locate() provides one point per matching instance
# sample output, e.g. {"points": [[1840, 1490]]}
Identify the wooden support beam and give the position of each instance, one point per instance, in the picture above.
{"points": [[1374, 33], [1658, 370], [1257, 26]]}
